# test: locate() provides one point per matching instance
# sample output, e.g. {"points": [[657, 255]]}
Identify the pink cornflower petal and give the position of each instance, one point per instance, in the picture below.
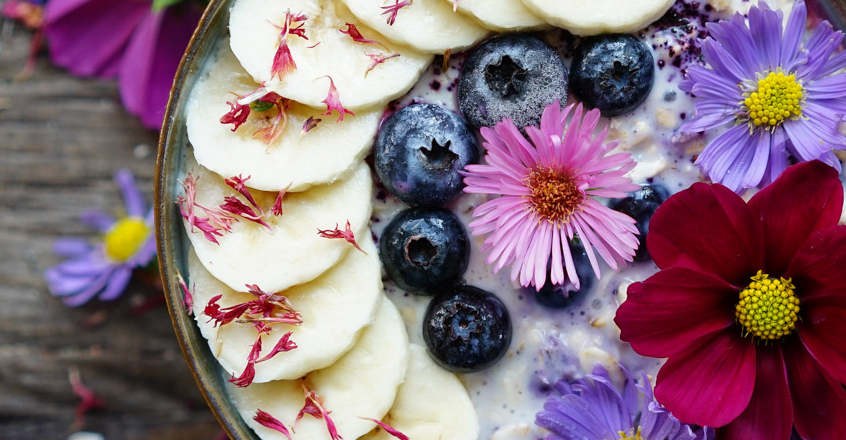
{"points": [[347, 234], [268, 421], [546, 187], [392, 10], [356, 36], [333, 102], [388, 428]]}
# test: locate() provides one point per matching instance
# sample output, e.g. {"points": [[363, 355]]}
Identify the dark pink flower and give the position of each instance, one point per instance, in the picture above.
{"points": [[127, 39], [151, 59]]}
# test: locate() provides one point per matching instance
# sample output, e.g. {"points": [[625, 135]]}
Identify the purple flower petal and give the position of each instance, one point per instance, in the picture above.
{"points": [[88, 37], [793, 33], [116, 284], [821, 45], [97, 219], [89, 292], [765, 25], [152, 56], [70, 246], [132, 197]]}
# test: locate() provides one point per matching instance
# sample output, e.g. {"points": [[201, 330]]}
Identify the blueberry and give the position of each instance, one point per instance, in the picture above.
{"points": [[511, 76], [420, 150], [466, 329], [559, 296], [613, 73], [424, 249], [640, 205]]}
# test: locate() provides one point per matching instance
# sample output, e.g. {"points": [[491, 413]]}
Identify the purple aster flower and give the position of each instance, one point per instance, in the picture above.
{"points": [[134, 40], [778, 96], [105, 268], [593, 408]]}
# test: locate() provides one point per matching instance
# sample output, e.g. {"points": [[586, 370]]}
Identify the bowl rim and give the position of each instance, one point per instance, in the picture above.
{"points": [[163, 206]]}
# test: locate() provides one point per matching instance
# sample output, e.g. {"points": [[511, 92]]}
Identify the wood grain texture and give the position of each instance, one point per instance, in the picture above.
{"points": [[61, 140]]}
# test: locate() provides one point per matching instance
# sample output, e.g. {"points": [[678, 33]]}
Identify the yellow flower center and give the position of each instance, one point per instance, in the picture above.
{"points": [[768, 308], [555, 196], [125, 238], [776, 98], [631, 436]]}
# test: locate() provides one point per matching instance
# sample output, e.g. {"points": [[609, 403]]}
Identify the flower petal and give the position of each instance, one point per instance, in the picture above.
{"points": [[769, 414], [730, 250], [817, 268], [819, 402], [823, 332], [655, 318], [152, 56], [132, 197], [709, 383], [89, 37], [806, 197]]}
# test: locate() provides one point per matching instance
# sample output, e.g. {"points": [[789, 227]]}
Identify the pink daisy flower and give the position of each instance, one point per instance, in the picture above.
{"points": [[548, 187]]}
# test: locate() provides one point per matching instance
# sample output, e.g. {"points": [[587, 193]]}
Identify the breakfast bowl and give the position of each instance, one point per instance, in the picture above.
{"points": [[553, 339]]}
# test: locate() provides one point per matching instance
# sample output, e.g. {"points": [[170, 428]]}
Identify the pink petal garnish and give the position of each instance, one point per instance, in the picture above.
{"points": [[378, 59], [187, 296], [216, 221], [314, 407], [392, 10], [283, 345], [389, 429], [236, 116], [283, 61], [271, 133], [235, 206], [347, 234], [354, 33], [246, 377], [277, 205], [310, 124], [268, 421], [88, 399], [333, 102], [237, 183]]}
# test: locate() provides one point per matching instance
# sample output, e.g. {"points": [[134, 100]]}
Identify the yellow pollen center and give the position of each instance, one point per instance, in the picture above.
{"points": [[125, 238], [768, 308], [632, 435], [555, 195], [777, 97]]}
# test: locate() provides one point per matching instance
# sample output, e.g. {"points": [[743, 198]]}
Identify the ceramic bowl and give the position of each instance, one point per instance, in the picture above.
{"points": [[173, 244]]}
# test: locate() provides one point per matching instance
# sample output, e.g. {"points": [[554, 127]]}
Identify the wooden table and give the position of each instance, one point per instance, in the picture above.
{"points": [[61, 140]]}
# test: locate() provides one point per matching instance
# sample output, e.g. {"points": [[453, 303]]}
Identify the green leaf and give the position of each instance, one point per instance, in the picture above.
{"points": [[158, 5]]}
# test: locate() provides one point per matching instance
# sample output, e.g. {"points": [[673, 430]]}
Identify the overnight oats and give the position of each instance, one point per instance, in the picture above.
{"points": [[427, 219]]}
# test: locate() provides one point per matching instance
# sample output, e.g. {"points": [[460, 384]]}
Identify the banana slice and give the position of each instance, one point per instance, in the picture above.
{"points": [[593, 17], [363, 383], [500, 15], [290, 252], [255, 38], [426, 25], [334, 307], [328, 152], [431, 404]]}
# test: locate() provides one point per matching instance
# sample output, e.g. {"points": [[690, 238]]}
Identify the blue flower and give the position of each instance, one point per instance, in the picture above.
{"points": [[593, 408], [105, 268], [778, 96]]}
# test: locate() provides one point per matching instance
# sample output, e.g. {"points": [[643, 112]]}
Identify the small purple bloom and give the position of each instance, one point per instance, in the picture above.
{"points": [[593, 408], [778, 96], [105, 268]]}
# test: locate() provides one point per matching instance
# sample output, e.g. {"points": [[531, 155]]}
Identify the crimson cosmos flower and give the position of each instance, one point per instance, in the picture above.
{"points": [[749, 307]]}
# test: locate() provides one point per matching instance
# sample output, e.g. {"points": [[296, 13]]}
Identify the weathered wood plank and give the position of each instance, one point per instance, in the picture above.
{"points": [[61, 139]]}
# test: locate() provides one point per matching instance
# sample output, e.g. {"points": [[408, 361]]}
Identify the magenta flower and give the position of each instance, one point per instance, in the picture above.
{"points": [[547, 190], [105, 268], [127, 39], [778, 96]]}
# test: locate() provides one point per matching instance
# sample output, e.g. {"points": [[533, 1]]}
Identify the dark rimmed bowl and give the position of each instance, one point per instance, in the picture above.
{"points": [[173, 244]]}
